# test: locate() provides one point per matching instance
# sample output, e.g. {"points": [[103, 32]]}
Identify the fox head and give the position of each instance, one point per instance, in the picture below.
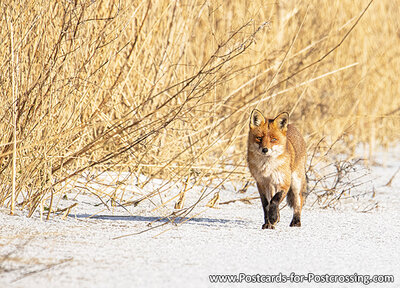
{"points": [[268, 136]]}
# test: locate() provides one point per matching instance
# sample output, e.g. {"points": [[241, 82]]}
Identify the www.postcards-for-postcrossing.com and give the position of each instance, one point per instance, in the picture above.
{"points": [[300, 278]]}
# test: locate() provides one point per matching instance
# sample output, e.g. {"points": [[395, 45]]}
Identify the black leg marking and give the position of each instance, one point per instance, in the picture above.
{"points": [[277, 198], [273, 213], [264, 202], [295, 221], [273, 209]]}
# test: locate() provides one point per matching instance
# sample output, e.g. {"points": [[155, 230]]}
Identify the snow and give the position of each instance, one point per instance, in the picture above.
{"points": [[83, 252]]}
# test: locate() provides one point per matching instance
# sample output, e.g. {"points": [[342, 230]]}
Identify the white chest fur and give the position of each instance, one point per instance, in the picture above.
{"points": [[265, 168]]}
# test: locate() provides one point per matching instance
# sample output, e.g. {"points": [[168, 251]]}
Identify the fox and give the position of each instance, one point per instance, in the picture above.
{"points": [[276, 156]]}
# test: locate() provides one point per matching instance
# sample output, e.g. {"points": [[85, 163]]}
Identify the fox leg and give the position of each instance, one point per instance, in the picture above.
{"points": [[265, 203], [273, 208], [295, 199]]}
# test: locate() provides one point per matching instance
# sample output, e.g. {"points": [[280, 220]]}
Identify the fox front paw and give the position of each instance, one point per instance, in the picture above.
{"points": [[295, 222], [268, 226]]}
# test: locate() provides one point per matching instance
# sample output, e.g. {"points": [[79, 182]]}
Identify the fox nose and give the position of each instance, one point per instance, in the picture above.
{"points": [[264, 150]]}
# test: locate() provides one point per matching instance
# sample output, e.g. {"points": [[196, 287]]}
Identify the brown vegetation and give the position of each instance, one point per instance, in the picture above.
{"points": [[164, 88]]}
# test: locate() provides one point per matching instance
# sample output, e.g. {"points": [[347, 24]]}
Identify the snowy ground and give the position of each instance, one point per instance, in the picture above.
{"points": [[81, 251]]}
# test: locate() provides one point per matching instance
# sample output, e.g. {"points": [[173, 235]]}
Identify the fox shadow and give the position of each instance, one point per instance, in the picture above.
{"points": [[149, 219]]}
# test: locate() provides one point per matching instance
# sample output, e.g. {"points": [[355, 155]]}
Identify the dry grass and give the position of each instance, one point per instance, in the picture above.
{"points": [[164, 88]]}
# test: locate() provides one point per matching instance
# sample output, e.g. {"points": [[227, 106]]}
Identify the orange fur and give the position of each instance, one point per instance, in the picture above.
{"points": [[277, 157]]}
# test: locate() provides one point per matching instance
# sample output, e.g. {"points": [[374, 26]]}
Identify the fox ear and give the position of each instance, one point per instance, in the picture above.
{"points": [[256, 119], [282, 120]]}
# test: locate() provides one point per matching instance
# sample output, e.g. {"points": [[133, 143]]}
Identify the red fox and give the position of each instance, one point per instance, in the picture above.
{"points": [[277, 157]]}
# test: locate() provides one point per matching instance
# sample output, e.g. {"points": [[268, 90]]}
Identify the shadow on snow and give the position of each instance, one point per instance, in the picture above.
{"points": [[158, 219]]}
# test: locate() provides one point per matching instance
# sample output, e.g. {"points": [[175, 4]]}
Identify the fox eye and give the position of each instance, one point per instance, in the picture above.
{"points": [[273, 139], [259, 138]]}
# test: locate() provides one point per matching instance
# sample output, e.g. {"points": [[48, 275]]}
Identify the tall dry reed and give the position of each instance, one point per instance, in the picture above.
{"points": [[164, 88]]}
